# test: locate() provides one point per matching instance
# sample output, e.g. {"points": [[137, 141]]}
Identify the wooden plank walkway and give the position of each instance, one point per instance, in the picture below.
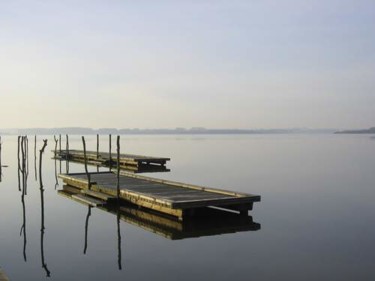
{"points": [[131, 162], [207, 222], [172, 198]]}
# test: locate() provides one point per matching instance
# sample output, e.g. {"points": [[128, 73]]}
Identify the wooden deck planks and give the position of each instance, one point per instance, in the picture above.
{"points": [[164, 196]]}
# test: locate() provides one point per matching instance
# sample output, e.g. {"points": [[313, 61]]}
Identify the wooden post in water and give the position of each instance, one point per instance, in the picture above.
{"points": [[118, 167], [40, 163], [56, 141], [35, 169], [60, 152], [19, 163], [23, 169], [67, 154], [1, 170], [97, 151], [27, 155], [110, 152], [84, 153], [60, 144]]}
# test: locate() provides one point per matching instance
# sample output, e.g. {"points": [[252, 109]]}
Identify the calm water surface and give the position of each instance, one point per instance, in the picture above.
{"points": [[316, 215]]}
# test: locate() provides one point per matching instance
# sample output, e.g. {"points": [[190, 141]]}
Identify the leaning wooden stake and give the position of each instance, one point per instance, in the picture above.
{"points": [[118, 167], [84, 153], [40, 163]]}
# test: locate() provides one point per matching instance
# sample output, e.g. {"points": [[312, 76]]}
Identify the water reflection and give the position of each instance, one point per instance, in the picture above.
{"points": [[42, 227], [22, 186], [87, 228], [119, 256]]}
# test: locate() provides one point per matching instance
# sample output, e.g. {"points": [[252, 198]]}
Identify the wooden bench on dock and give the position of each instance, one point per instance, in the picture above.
{"points": [[172, 198]]}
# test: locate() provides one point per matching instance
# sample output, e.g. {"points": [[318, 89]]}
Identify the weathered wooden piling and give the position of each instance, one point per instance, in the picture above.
{"points": [[35, 158], [97, 151], [40, 163], [60, 143], [1, 167], [19, 162], [67, 159], [118, 167], [87, 172], [110, 152]]}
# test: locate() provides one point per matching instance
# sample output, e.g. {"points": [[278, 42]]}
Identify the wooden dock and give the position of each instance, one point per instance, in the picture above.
{"points": [[207, 222], [172, 198], [130, 162]]}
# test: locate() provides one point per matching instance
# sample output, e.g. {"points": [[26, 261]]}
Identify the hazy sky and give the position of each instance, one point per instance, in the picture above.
{"points": [[184, 63]]}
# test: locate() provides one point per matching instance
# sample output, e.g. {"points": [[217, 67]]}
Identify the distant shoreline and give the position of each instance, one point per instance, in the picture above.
{"points": [[363, 131], [177, 131]]}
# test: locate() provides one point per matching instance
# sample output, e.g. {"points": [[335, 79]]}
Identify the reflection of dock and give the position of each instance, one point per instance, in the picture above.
{"points": [[135, 163], [207, 221], [172, 198]]}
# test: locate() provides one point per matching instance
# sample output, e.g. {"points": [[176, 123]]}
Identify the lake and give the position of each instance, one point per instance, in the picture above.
{"points": [[315, 220]]}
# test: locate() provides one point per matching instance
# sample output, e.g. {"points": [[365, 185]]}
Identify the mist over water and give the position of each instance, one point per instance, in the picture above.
{"points": [[316, 214]]}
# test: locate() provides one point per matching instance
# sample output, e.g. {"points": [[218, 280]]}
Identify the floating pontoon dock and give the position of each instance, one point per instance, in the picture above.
{"points": [[172, 198], [207, 222], [137, 163]]}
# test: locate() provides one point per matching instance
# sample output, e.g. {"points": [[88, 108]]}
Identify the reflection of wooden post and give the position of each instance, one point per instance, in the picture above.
{"points": [[42, 227], [87, 229], [84, 153], [118, 237], [118, 167]]}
